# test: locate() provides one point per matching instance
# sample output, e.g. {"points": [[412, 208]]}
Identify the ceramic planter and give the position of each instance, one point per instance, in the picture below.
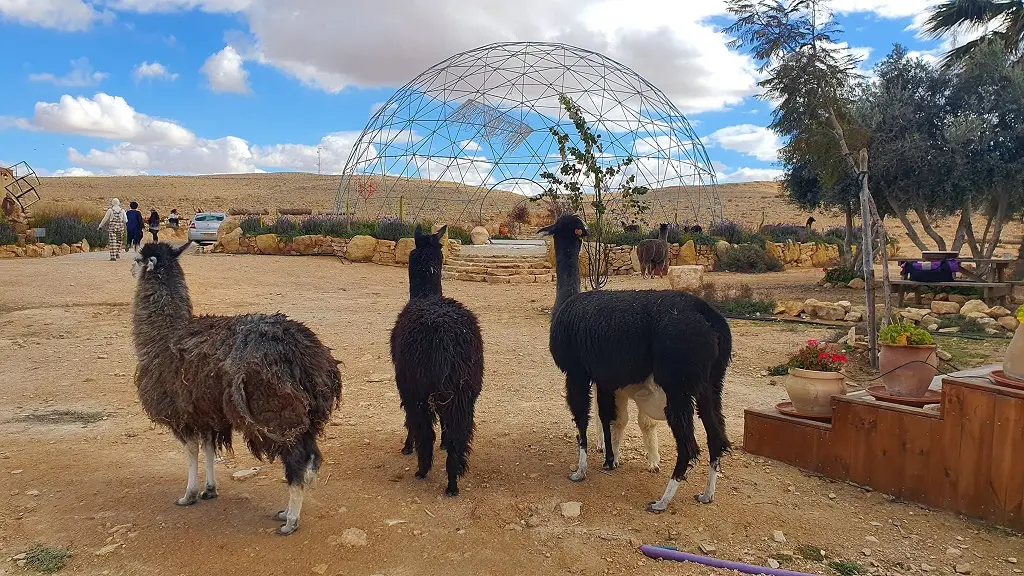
{"points": [[908, 370], [811, 391], [1013, 360]]}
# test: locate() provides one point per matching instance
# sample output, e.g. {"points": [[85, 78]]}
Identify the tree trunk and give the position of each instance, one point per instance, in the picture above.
{"points": [[961, 231], [1004, 202], [972, 242], [901, 214], [922, 215], [848, 241]]}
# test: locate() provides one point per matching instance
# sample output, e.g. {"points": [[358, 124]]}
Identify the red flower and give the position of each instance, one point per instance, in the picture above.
{"points": [[812, 342], [823, 356]]}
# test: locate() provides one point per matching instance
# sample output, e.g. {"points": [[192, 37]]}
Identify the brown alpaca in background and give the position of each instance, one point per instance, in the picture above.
{"points": [[267, 376], [653, 254]]}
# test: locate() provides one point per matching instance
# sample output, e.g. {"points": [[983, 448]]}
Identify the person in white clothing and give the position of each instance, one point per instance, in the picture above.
{"points": [[115, 220]]}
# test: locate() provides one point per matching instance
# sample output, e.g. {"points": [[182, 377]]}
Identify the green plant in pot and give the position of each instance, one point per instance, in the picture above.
{"points": [[814, 377], [907, 359]]}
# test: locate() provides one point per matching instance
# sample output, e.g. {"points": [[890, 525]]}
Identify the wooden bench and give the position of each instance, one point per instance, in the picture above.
{"points": [[1000, 291]]}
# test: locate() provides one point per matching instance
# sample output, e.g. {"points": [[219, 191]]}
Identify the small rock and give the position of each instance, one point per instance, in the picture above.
{"points": [[926, 567], [571, 509], [379, 378], [320, 569], [778, 536], [871, 539], [707, 548], [533, 521], [353, 537], [21, 556], [866, 551], [32, 492], [943, 355], [773, 563], [951, 330], [953, 551], [102, 356], [513, 527], [1011, 560], [108, 549], [242, 475], [964, 568], [831, 495], [16, 471]]}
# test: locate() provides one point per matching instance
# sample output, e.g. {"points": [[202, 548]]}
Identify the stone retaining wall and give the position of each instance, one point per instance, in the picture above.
{"points": [[40, 250], [355, 249]]}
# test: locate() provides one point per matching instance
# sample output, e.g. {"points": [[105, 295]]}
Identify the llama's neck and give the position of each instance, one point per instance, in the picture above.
{"points": [[161, 307], [428, 288], [424, 278], [567, 271], [663, 235]]}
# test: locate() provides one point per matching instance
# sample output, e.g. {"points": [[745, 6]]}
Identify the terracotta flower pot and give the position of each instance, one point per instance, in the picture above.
{"points": [[811, 391], [908, 369], [503, 230], [1013, 360]]}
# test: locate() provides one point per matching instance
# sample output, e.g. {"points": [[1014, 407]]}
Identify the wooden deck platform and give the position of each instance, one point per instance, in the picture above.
{"points": [[967, 459]]}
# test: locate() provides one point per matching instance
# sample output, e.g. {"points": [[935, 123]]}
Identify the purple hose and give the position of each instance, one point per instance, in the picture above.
{"points": [[668, 554]]}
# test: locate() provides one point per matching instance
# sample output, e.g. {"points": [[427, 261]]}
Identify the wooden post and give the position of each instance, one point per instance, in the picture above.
{"points": [[868, 258], [401, 208]]}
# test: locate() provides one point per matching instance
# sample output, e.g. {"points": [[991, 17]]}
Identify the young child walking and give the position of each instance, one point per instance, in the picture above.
{"points": [[135, 226]]}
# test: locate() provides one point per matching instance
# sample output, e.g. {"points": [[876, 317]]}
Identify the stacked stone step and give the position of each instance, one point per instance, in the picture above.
{"points": [[498, 269]]}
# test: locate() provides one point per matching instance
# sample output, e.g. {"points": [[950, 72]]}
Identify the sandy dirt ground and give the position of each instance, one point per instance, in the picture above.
{"points": [[109, 486]]}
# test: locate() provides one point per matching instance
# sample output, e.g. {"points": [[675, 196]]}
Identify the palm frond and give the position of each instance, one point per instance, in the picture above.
{"points": [[955, 15]]}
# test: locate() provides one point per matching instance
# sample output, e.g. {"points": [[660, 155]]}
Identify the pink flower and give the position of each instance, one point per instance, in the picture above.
{"points": [[812, 342]]}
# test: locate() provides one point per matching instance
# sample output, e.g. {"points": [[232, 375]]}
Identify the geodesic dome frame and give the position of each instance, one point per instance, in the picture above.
{"points": [[452, 143]]}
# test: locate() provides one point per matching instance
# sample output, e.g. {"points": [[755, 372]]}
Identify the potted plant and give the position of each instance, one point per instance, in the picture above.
{"points": [[1013, 360], [814, 377], [907, 359]]}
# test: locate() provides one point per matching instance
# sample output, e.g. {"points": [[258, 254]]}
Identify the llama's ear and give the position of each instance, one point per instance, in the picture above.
{"points": [[418, 231], [440, 233], [175, 252]]}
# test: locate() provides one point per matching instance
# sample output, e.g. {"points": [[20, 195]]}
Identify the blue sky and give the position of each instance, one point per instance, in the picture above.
{"points": [[219, 86]]}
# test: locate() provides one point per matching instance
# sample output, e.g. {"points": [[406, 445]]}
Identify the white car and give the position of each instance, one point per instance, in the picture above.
{"points": [[203, 228]]}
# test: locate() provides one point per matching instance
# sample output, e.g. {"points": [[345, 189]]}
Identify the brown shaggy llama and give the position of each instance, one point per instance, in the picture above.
{"points": [[265, 375], [653, 254]]}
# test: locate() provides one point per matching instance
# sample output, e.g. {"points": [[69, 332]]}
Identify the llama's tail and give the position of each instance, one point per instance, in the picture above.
{"points": [[241, 403]]}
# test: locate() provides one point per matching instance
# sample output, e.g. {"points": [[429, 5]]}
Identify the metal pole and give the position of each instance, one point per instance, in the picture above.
{"points": [[868, 258], [318, 160]]}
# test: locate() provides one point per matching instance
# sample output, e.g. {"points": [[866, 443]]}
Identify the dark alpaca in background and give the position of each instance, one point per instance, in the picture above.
{"points": [[653, 254], [630, 227], [695, 229], [617, 339], [810, 222], [438, 355], [267, 376]]}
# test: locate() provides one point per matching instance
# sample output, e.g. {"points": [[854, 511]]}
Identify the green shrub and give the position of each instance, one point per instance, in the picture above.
{"points": [[47, 560], [966, 325], [253, 226], [8, 235], [393, 229], [69, 230], [621, 238], [749, 259], [736, 300], [461, 234], [841, 274], [327, 225], [286, 227]]}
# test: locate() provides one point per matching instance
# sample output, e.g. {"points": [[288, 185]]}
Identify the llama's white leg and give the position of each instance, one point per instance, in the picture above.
{"points": [[709, 491], [210, 457], [296, 493], [581, 467], [191, 489], [649, 430], [619, 424], [670, 492], [600, 434]]}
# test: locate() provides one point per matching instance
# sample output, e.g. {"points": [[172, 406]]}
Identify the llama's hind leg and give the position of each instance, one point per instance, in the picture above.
{"points": [[192, 488], [709, 406], [209, 457], [457, 430], [300, 468], [679, 413], [422, 417], [599, 445], [619, 424], [649, 431], [577, 396]]}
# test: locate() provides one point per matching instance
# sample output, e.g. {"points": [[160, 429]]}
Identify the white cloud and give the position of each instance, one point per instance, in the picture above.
{"points": [[749, 175], [225, 72], [74, 171], [66, 15], [81, 74], [334, 152], [165, 6], [469, 146], [104, 116], [884, 8], [227, 155], [154, 71], [748, 139]]}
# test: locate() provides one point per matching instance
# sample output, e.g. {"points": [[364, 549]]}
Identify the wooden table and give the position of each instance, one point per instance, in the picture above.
{"points": [[996, 271]]}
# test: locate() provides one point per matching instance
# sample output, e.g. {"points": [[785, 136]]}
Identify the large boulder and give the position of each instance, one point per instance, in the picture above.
{"points": [[268, 244], [686, 278], [721, 247], [305, 245], [361, 248], [480, 235], [857, 284], [998, 312], [973, 306], [1009, 322], [793, 307], [941, 307], [229, 242], [33, 251], [828, 311], [687, 254], [227, 227], [85, 246], [773, 250], [403, 248]]}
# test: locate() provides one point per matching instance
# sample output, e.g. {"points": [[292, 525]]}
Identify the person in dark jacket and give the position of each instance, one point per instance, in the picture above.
{"points": [[134, 227], [154, 224]]}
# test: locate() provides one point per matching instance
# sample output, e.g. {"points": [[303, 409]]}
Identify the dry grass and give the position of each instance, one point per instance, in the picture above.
{"points": [[84, 211]]}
